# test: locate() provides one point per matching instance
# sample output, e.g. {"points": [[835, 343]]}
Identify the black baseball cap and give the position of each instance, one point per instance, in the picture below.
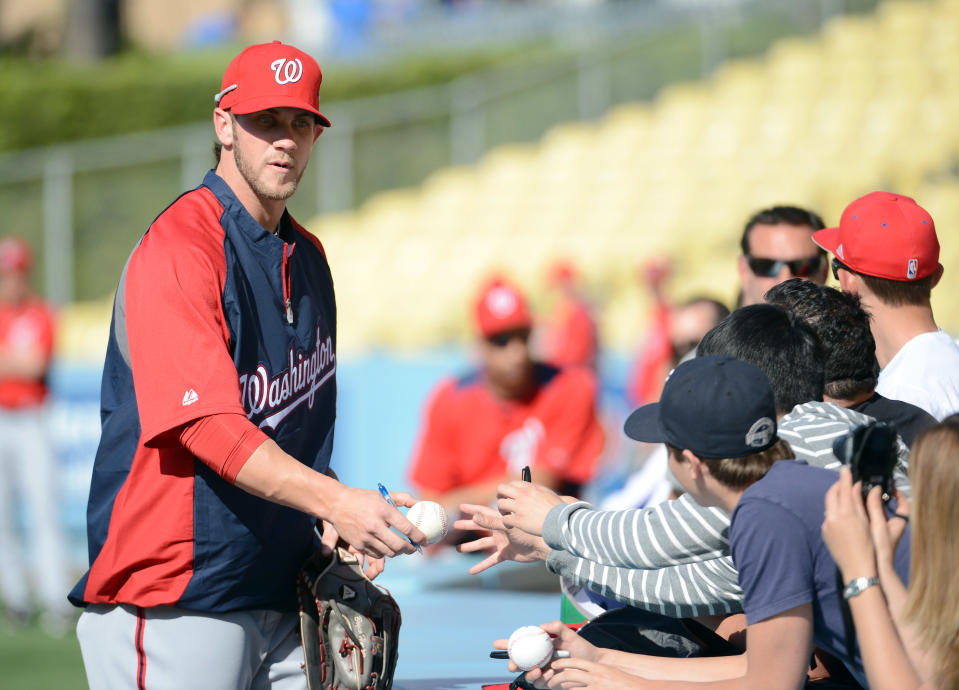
{"points": [[715, 406]]}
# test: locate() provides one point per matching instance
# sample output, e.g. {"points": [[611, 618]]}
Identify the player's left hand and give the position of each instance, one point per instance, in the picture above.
{"points": [[846, 529], [525, 505], [504, 544]]}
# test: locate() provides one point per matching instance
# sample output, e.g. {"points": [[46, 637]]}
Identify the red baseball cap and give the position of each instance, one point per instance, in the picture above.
{"points": [[271, 75], [886, 236], [500, 307], [15, 255]]}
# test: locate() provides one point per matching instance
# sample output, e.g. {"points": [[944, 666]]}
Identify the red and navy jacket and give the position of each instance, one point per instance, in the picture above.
{"points": [[213, 314]]}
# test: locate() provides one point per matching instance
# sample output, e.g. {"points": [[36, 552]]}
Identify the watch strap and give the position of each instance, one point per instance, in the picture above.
{"points": [[858, 586]]}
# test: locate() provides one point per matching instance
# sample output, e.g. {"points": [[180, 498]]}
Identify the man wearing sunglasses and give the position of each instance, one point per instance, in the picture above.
{"points": [[887, 252], [510, 412], [777, 245]]}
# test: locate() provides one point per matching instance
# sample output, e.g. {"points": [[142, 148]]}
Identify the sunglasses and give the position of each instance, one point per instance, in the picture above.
{"points": [[770, 268], [836, 265], [504, 338]]}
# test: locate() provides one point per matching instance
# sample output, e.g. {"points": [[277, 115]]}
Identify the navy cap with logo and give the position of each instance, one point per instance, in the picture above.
{"points": [[716, 406]]}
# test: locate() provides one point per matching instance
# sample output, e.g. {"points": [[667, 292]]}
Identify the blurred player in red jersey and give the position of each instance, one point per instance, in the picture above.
{"points": [[28, 475], [570, 337], [483, 428]]}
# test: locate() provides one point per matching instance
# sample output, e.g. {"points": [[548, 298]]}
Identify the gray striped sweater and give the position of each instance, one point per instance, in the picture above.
{"points": [[673, 558]]}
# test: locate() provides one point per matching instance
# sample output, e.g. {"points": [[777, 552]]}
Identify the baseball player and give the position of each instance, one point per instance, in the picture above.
{"points": [[218, 404], [512, 411], [27, 466]]}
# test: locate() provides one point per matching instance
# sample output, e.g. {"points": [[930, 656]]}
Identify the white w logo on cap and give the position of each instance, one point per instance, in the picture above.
{"points": [[287, 71]]}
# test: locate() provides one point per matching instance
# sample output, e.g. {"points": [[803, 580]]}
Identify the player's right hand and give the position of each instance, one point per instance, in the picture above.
{"points": [[363, 520]]}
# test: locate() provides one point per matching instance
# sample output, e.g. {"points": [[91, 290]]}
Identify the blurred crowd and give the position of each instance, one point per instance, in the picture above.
{"points": [[783, 442]]}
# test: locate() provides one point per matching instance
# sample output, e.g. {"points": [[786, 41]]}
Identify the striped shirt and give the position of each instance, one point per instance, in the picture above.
{"points": [[673, 558]]}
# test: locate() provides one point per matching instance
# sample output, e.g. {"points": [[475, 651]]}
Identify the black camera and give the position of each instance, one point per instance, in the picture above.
{"points": [[870, 452]]}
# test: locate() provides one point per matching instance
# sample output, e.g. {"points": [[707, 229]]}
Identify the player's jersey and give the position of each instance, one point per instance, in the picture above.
{"points": [[473, 437], [25, 327], [213, 315]]}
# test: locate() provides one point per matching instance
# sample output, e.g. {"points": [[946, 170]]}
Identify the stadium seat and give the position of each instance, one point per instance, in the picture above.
{"points": [[868, 103]]}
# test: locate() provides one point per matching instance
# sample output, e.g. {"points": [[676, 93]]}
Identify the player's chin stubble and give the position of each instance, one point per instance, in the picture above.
{"points": [[281, 192]]}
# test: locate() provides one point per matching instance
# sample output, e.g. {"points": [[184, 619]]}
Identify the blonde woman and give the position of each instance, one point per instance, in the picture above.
{"points": [[908, 640]]}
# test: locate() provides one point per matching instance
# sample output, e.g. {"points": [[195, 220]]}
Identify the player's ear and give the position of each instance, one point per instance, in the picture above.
{"points": [[223, 126], [317, 131]]}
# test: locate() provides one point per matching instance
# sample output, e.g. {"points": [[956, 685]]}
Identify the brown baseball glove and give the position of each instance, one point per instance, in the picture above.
{"points": [[349, 626]]}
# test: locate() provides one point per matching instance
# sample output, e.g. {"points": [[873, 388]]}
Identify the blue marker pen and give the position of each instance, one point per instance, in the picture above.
{"points": [[386, 494]]}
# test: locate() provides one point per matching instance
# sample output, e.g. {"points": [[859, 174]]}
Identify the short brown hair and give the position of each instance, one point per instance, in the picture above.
{"points": [[900, 293], [741, 473]]}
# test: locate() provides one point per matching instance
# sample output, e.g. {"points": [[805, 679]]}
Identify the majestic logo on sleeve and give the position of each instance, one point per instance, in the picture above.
{"points": [[277, 396]]}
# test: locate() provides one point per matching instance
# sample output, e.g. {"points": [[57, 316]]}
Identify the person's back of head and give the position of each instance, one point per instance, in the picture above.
{"points": [[888, 241], [722, 410], [934, 583], [842, 326], [780, 344]]}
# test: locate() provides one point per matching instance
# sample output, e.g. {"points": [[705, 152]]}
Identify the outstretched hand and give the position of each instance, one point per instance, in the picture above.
{"points": [[502, 543], [524, 505]]}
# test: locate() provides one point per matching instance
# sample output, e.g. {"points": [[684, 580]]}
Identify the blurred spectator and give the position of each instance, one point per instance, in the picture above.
{"points": [[512, 411], [686, 325], [570, 331], [887, 252], [851, 366], [675, 332], [655, 357], [908, 640], [28, 475], [777, 245]]}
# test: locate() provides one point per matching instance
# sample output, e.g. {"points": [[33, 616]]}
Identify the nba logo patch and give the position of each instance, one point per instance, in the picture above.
{"points": [[913, 269]]}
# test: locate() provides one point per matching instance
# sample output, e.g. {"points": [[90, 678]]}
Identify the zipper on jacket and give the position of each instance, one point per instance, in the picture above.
{"points": [[285, 276]]}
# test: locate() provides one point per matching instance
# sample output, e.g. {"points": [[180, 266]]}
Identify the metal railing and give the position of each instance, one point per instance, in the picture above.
{"points": [[92, 200]]}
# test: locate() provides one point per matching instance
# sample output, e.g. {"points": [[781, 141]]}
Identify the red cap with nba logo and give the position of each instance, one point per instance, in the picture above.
{"points": [[886, 236], [271, 75], [501, 307]]}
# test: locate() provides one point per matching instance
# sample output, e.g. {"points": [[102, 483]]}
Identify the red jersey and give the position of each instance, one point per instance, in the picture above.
{"points": [[25, 327], [472, 436], [571, 339]]}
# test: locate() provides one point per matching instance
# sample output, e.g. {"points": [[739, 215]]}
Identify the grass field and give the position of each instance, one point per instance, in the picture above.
{"points": [[32, 660]]}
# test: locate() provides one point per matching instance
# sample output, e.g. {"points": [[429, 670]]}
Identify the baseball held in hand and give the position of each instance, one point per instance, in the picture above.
{"points": [[430, 518], [530, 647]]}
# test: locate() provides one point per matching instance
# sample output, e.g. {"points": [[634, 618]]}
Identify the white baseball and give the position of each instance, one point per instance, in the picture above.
{"points": [[430, 518], [530, 647]]}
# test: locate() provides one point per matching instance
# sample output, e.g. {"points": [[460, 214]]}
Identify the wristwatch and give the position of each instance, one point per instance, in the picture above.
{"points": [[858, 586]]}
